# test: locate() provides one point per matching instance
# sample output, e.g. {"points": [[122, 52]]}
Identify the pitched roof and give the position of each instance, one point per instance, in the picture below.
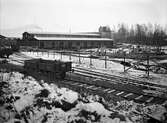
{"points": [[76, 35], [71, 39]]}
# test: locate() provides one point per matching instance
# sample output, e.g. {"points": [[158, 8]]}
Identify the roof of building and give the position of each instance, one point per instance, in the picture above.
{"points": [[79, 35], [76, 33], [71, 39]]}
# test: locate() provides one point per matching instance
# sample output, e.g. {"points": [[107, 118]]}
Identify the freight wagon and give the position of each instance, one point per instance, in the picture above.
{"points": [[51, 68]]}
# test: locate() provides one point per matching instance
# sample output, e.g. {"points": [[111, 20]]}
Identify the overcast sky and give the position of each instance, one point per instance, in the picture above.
{"points": [[80, 15]]}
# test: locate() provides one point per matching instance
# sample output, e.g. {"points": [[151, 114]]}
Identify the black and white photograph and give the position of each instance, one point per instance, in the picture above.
{"points": [[83, 61]]}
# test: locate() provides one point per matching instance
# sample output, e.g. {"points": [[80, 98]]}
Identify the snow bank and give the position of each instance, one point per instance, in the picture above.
{"points": [[30, 102], [94, 107], [27, 100], [156, 111]]}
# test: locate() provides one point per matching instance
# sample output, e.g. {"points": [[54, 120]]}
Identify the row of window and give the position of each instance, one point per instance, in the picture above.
{"points": [[67, 44], [73, 44]]}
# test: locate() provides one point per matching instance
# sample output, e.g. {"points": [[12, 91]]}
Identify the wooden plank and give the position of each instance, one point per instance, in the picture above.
{"points": [[139, 97], [111, 91], [106, 90], [150, 99], [130, 94], [120, 93]]}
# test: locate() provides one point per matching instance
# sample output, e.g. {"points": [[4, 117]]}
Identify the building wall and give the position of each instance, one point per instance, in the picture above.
{"points": [[32, 43], [74, 44], [30, 40]]}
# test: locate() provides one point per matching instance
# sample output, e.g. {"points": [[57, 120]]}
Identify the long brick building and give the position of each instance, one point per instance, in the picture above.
{"points": [[66, 41]]}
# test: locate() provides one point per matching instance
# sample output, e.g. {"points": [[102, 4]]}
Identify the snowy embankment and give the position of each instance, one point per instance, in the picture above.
{"points": [[113, 68], [23, 99]]}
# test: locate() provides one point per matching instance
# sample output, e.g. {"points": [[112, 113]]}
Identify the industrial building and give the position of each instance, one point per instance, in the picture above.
{"points": [[66, 41]]}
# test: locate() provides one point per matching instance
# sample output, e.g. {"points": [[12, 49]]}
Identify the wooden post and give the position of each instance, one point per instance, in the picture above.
{"points": [[48, 53], [70, 56], [61, 55], [148, 65], [54, 54], [105, 60], [39, 44], [124, 60], [79, 57], [90, 59]]}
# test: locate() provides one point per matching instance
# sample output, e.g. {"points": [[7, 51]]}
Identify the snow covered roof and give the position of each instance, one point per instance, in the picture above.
{"points": [[61, 33], [74, 35], [72, 39]]}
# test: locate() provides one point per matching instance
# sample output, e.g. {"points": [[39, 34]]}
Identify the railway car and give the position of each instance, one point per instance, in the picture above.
{"points": [[50, 68]]}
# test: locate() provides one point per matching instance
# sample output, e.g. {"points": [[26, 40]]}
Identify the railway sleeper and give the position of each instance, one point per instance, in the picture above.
{"points": [[121, 86], [129, 94], [139, 97], [109, 93], [124, 87], [120, 93]]}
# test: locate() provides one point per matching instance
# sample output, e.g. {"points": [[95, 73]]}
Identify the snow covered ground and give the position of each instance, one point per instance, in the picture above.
{"points": [[28, 101], [99, 65], [25, 100]]}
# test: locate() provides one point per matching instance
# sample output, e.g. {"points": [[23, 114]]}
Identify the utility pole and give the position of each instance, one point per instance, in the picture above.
{"points": [[48, 53], [39, 44], [105, 60], [70, 56], [53, 54], [42, 52], [61, 55], [148, 65], [90, 59], [79, 57], [124, 60]]}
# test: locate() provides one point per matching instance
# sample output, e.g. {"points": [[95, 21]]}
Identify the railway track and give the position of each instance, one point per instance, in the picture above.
{"points": [[128, 89], [129, 94], [119, 79], [114, 92]]}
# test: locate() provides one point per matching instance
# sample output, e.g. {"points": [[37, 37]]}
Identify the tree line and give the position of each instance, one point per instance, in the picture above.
{"points": [[143, 34]]}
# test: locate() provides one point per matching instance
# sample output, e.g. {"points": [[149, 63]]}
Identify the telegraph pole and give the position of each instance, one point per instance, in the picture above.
{"points": [[79, 57], [124, 60], [148, 65], [90, 59], [70, 56], [54, 54], [38, 47], [61, 55], [48, 53], [105, 60]]}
